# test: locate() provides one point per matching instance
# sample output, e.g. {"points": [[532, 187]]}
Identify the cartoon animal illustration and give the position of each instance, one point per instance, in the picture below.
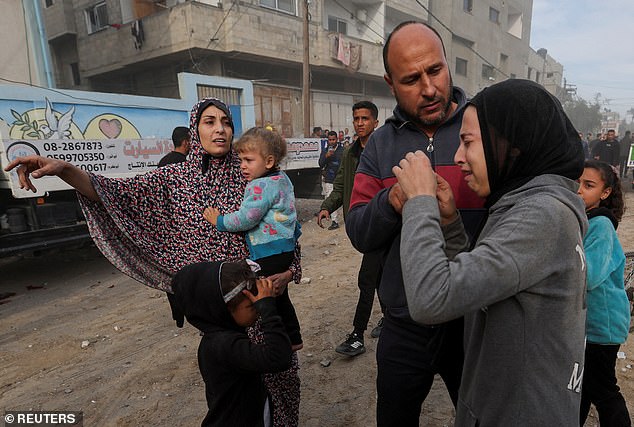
{"points": [[55, 128]]}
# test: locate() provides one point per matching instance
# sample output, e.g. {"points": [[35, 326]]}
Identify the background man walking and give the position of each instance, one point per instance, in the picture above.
{"points": [[365, 120], [329, 162]]}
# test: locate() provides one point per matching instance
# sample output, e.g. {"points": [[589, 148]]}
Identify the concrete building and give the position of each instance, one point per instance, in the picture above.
{"points": [[543, 69], [138, 47], [24, 55]]}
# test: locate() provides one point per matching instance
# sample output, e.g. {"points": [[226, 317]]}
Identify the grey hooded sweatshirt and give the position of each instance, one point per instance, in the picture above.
{"points": [[521, 290]]}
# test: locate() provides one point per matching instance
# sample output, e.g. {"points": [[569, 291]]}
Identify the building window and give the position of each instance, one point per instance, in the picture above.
{"points": [[287, 6], [48, 3], [537, 76], [337, 25], [462, 41], [530, 73], [488, 72], [515, 25], [513, 76], [494, 15], [549, 75], [467, 5], [96, 17], [461, 67], [74, 70], [503, 63]]}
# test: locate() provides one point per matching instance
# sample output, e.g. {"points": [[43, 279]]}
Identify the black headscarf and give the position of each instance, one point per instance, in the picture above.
{"points": [[525, 133], [198, 297]]}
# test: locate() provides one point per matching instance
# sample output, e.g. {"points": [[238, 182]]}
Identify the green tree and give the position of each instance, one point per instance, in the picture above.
{"points": [[584, 116]]}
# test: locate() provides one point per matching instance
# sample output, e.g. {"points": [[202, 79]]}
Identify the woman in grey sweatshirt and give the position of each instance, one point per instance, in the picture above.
{"points": [[521, 286]]}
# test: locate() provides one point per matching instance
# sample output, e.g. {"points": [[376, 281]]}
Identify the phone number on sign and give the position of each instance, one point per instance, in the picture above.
{"points": [[73, 146], [93, 167], [78, 157]]}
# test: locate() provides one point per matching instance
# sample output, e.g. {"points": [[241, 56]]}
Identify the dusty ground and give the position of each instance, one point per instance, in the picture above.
{"points": [[138, 369]]}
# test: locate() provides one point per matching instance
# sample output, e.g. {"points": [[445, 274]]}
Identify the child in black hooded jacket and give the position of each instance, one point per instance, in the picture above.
{"points": [[221, 299]]}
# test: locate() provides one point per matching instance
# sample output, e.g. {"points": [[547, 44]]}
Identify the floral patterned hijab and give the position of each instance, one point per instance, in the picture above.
{"points": [[151, 225]]}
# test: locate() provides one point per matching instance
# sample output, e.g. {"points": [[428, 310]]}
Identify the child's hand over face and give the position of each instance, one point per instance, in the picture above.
{"points": [[265, 290], [211, 214]]}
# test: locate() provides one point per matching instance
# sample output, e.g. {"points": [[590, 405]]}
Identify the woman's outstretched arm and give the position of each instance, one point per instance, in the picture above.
{"points": [[38, 166]]}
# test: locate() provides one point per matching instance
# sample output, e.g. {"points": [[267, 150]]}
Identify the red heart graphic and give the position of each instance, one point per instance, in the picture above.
{"points": [[110, 128]]}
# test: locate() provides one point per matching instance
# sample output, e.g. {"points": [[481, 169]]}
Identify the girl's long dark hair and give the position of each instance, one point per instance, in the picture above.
{"points": [[615, 201]]}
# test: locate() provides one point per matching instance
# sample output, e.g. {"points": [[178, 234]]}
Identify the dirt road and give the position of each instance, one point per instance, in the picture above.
{"points": [[78, 335]]}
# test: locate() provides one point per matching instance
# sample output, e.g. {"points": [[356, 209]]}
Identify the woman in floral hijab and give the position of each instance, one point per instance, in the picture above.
{"points": [[151, 225]]}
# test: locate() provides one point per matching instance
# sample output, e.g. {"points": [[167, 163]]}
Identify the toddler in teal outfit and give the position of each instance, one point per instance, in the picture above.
{"points": [[267, 214]]}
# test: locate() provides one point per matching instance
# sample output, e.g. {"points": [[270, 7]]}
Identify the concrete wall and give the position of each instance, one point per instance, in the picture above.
{"points": [[60, 19], [19, 59]]}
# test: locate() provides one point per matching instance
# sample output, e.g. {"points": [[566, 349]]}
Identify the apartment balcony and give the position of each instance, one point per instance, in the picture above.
{"points": [[405, 10], [60, 20], [193, 30]]}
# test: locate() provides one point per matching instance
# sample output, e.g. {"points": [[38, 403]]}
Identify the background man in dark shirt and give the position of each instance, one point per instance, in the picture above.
{"points": [[180, 138], [608, 151]]}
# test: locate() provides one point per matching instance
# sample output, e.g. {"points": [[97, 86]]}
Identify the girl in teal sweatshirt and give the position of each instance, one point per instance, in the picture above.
{"points": [[608, 320]]}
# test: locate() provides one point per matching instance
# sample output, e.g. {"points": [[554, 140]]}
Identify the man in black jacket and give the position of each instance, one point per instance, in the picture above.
{"points": [[626, 144], [609, 150]]}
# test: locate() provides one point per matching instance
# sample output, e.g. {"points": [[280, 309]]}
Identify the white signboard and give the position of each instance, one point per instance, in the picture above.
{"points": [[123, 157], [303, 153], [112, 157]]}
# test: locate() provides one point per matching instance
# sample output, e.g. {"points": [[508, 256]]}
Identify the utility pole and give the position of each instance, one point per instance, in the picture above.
{"points": [[306, 73], [569, 90]]}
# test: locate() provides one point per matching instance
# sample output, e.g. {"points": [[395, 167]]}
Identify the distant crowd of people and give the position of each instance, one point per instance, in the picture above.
{"points": [[343, 136], [607, 147], [487, 228]]}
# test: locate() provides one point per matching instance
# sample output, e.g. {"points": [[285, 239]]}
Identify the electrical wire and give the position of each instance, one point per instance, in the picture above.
{"points": [[214, 39], [97, 101], [442, 24], [196, 65], [364, 23]]}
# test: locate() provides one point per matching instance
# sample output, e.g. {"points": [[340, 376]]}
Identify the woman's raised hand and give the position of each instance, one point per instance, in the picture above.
{"points": [[415, 175]]}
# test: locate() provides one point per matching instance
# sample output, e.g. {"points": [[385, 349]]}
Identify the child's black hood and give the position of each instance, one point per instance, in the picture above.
{"points": [[197, 295], [601, 211]]}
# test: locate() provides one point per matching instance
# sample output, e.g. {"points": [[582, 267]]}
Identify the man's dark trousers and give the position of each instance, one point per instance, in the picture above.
{"points": [[408, 356], [368, 282]]}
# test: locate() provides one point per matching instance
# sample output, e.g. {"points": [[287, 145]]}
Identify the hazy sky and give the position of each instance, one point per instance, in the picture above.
{"points": [[594, 41]]}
